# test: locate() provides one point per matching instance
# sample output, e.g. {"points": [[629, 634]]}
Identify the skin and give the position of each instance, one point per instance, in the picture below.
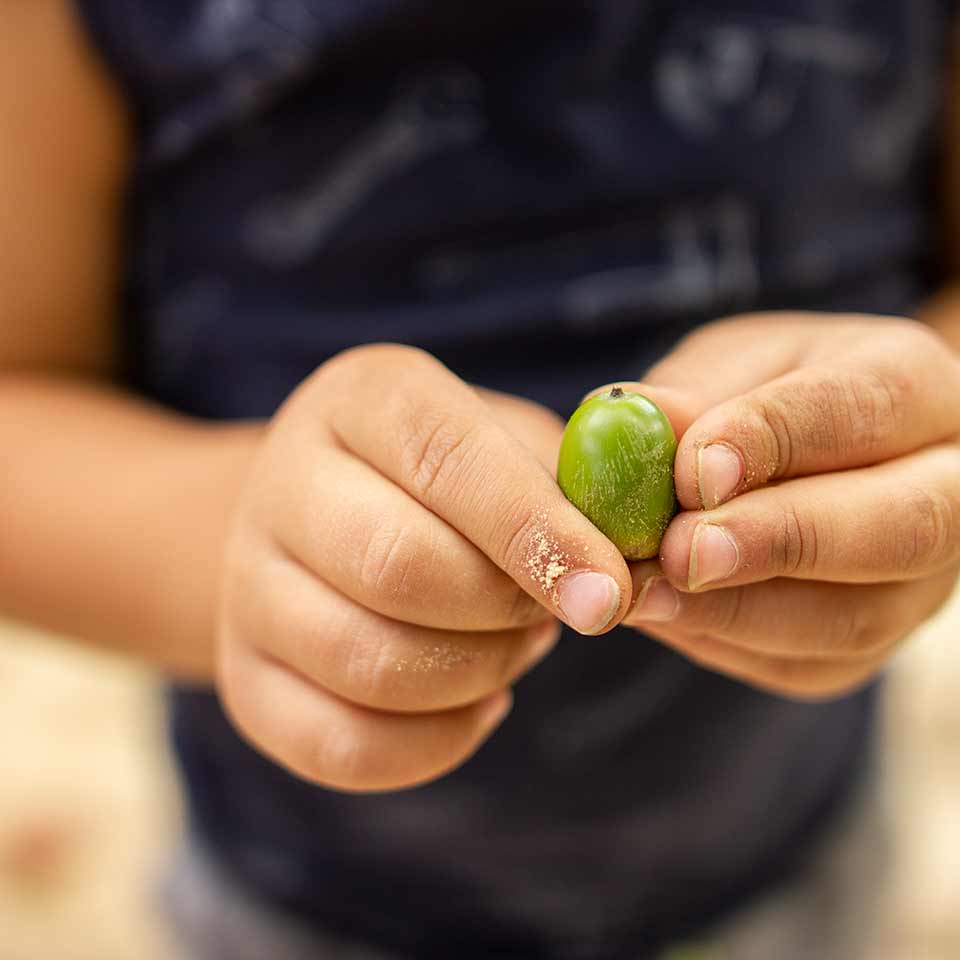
{"points": [[843, 534], [288, 562]]}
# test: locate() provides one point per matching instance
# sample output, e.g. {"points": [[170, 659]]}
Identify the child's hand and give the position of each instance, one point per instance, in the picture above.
{"points": [[397, 561], [846, 431]]}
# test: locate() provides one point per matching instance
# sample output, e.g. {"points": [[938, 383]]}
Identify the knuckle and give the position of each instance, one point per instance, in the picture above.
{"points": [[334, 371], [360, 359], [842, 412], [407, 356], [437, 451], [776, 435], [522, 543], [433, 675], [369, 672], [796, 547], [393, 564], [831, 412], [872, 407], [341, 373], [925, 537], [516, 528]]}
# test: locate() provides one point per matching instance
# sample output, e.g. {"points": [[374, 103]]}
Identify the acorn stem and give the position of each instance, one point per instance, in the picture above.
{"points": [[616, 393]]}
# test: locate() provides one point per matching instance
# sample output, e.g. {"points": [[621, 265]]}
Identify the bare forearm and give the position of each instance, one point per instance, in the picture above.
{"points": [[113, 515]]}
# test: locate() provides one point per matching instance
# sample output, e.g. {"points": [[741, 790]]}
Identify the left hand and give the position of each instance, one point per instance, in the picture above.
{"points": [[819, 472]]}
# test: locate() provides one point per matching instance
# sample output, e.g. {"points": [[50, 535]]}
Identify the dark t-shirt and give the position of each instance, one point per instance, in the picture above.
{"points": [[546, 194]]}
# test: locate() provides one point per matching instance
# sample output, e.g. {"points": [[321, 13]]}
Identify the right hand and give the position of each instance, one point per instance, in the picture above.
{"points": [[398, 559]]}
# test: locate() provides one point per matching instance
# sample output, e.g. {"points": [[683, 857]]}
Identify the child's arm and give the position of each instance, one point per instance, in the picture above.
{"points": [[398, 552], [112, 512]]}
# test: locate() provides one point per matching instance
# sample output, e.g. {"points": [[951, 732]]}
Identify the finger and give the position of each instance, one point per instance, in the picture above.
{"points": [[369, 659], [331, 742], [431, 434], [896, 521], [796, 619], [372, 541], [859, 410], [723, 360], [803, 680], [732, 356], [536, 427]]}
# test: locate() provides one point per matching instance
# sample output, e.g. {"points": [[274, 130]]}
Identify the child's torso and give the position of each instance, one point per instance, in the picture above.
{"points": [[546, 194]]}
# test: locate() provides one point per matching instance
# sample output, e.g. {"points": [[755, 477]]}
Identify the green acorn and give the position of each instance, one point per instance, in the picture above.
{"points": [[616, 467]]}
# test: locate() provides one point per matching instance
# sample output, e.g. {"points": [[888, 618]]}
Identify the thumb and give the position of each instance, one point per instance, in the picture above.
{"points": [[730, 357], [723, 360], [720, 361]]}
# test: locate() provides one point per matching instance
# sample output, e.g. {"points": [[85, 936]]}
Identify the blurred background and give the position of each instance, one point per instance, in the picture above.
{"points": [[89, 808]]}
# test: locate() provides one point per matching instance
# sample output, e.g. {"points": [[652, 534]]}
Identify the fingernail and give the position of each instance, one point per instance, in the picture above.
{"points": [[719, 473], [714, 555], [497, 708], [588, 600], [658, 603]]}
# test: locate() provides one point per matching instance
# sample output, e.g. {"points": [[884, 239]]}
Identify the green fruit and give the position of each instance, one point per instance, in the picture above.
{"points": [[616, 467]]}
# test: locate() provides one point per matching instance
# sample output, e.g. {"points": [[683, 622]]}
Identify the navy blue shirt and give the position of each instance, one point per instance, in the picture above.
{"points": [[546, 194]]}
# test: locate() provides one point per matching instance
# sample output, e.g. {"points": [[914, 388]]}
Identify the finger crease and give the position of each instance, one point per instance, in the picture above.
{"points": [[433, 458], [782, 445]]}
